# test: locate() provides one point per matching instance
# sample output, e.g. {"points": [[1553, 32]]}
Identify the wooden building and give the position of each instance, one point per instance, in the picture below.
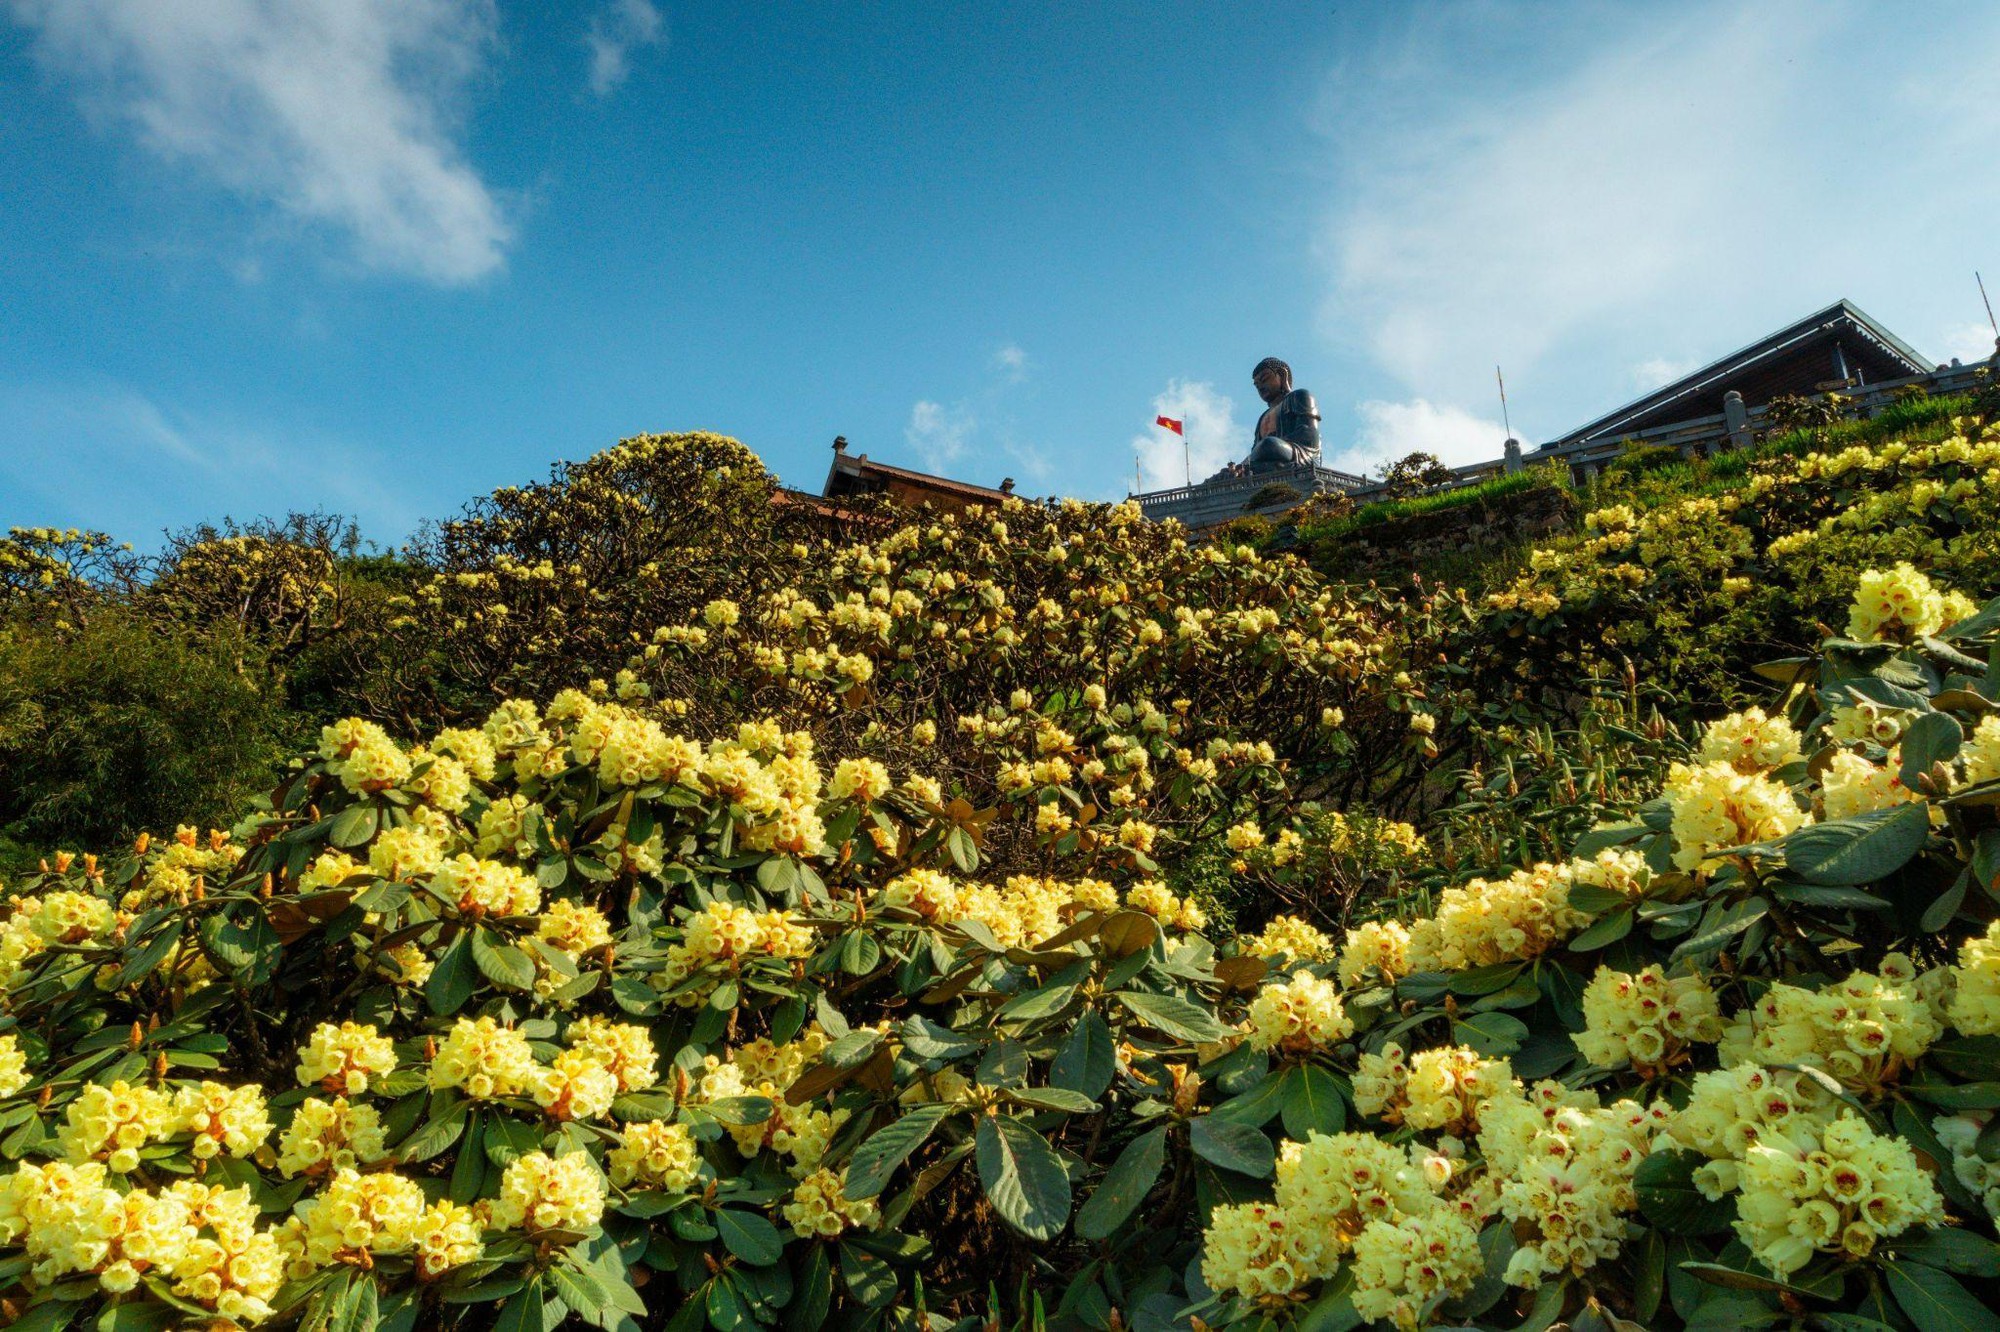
{"points": [[1839, 349], [855, 474]]}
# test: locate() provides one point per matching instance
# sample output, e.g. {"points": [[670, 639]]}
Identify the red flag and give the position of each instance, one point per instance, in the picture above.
{"points": [[1170, 424]]}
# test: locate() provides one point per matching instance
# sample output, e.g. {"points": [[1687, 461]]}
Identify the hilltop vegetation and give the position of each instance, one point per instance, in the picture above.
{"points": [[672, 913]]}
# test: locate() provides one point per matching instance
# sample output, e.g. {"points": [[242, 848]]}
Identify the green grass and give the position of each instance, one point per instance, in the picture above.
{"points": [[1383, 511]]}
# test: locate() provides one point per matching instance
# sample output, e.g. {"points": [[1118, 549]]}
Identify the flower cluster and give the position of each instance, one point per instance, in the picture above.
{"points": [[1896, 605], [1339, 1195], [1297, 1016], [1440, 1089], [1565, 1166], [723, 936], [1717, 806], [820, 1208], [1486, 921], [1377, 947], [1863, 1030], [655, 1154], [342, 1059], [1840, 1190], [1645, 1019], [485, 1060], [327, 1136], [1750, 742], [540, 1193]]}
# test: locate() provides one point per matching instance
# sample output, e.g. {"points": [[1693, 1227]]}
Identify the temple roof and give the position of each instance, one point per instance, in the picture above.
{"points": [[1840, 344], [858, 474]]}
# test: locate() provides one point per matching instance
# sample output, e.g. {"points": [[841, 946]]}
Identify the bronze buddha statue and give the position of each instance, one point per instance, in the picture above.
{"points": [[1287, 434]]}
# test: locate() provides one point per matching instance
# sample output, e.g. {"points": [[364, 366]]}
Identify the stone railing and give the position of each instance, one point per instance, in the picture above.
{"points": [[1223, 498]]}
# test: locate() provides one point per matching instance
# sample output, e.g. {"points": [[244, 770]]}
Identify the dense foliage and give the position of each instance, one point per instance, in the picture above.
{"points": [[1030, 916]]}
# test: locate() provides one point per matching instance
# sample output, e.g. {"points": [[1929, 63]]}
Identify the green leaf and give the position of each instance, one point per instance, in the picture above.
{"points": [[925, 1039], [1954, 1250], [1607, 930], [1023, 1177], [1934, 737], [440, 1132], [859, 953], [1005, 1064], [1828, 895], [1596, 840], [1945, 905], [1986, 848], [1052, 1098], [869, 1279], [725, 1307], [750, 1236], [507, 1139], [1313, 1103], [875, 1161], [1720, 924], [468, 1168], [1257, 1106], [1124, 1186], [1232, 1145], [1086, 1062], [1936, 1302], [1039, 1002], [740, 1111], [453, 979], [815, 1292], [854, 1049], [502, 963], [1664, 1183], [1958, 1095], [1484, 980], [523, 1310], [1492, 1034], [354, 825], [1592, 900], [1176, 1017], [155, 951], [1860, 849]]}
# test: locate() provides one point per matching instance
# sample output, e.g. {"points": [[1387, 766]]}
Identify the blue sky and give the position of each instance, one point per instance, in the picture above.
{"points": [[380, 256]]}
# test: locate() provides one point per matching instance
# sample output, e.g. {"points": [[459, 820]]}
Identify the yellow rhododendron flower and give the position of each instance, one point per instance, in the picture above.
{"points": [[342, 1059], [1302, 1014]]}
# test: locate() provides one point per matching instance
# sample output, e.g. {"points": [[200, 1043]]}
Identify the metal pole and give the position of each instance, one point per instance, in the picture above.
{"points": [[1505, 423], [1989, 304]]}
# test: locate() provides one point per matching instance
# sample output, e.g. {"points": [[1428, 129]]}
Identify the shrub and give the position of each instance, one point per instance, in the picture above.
{"points": [[1269, 496], [117, 725], [1414, 473], [568, 1013]]}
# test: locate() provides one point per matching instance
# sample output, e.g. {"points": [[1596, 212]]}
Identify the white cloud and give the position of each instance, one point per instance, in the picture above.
{"points": [[1968, 342], [1392, 430], [1658, 371], [615, 31], [1213, 438], [337, 112], [938, 433], [1566, 190]]}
